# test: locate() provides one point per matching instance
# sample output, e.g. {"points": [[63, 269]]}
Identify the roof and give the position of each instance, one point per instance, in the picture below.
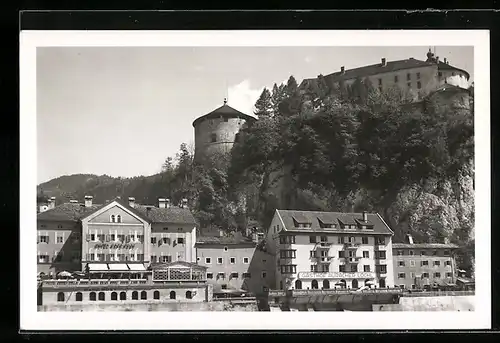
{"points": [[67, 212], [449, 87], [225, 111], [424, 245], [174, 215], [313, 217], [390, 66], [225, 240]]}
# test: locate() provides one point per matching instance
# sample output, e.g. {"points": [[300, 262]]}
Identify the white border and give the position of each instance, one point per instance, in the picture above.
{"points": [[32, 320]]}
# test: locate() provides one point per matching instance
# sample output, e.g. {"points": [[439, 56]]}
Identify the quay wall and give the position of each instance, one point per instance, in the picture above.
{"points": [[151, 307], [443, 303]]}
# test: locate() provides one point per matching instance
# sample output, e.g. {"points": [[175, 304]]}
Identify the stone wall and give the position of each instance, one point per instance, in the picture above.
{"points": [[445, 303], [151, 307]]}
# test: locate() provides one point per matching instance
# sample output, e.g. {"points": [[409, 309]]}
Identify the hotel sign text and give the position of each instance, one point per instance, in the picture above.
{"points": [[114, 246], [336, 275]]}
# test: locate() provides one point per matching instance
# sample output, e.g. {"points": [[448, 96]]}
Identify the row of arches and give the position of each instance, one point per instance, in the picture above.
{"points": [[101, 296], [326, 284]]}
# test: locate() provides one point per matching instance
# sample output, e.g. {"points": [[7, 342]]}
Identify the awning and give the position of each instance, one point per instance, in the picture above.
{"points": [[97, 267], [139, 267], [118, 267]]}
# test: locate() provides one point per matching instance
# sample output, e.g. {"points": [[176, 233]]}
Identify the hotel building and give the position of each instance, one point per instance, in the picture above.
{"points": [[326, 250], [424, 265]]}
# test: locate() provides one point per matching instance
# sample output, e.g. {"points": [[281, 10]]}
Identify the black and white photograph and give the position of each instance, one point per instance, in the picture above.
{"points": [[208, 172]]}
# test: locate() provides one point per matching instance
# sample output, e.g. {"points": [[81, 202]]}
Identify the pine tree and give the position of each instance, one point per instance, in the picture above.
{"points": [[263, 106], [291, 86], [277, 97]]}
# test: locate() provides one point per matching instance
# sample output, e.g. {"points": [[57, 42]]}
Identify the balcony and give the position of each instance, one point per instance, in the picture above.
{"points": [[351, 259], [351, 245], [321, 259]]}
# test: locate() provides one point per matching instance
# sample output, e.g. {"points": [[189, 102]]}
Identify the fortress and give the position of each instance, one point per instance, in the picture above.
{"points": [[217, 131]]}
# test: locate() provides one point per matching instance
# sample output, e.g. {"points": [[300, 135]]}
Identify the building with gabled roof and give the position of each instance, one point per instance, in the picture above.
{"points": [[326, 250]]}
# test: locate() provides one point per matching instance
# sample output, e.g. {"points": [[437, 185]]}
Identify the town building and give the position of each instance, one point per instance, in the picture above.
{"points": [[415, 76], [326, 250], [114, 236], [217, 131], [235, 263], [424, 265]]}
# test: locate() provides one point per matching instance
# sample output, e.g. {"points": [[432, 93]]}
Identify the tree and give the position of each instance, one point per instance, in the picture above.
{"points": [[291, 86], [263, 106], [277, 97]]}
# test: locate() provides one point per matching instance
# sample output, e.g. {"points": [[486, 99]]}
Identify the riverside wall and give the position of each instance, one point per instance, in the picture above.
{"points": [[438, 303]]}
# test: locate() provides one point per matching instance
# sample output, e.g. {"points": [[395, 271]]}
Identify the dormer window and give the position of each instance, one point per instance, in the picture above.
{"points": [[213, 138], [118, 219], [113, 218]]}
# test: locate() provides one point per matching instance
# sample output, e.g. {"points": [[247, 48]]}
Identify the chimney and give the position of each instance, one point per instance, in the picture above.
{"points": [[161, 202], [72, 201], [52, 203], [88, 200], [342, 70], [131, 202], [184, 203], [437, 59], [410, 238], [365, 216], [167, 203], [148, 209], [384, 62], [445, 61]]}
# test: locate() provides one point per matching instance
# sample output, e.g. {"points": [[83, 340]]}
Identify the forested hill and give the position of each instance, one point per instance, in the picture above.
{"points": [[327, 147]]}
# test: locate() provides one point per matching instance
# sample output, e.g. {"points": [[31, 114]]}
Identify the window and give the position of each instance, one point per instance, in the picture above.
{"points": [[424, 263], [412, 263], [245, 260], [380, 255], [418, 75], [264, 274], [102, 296], [221, 275], [165, 229], [180, 240], [409, 84], [401, 263], [412, 275], [401, 275], [399, 252], [78, 296], [396, 79], [234, 275], [287, 239], [43, 258], [422, 253], [380, 241], [144, 295], [210, 275], [60, 296], [448, 274], [408, 76], [440, 74], [247, 275], [166, 259], [314, 268], [342, 268], [366, 254], [437, 275], [208, 260], [434, 253], [419, 84], [213, 138], [153, 240], [453, 74], [425, 275], [232, 260], [118, 219], [156, 295], [354, 268], [59, 239], [382, 268], [135, 295], [437, 263], [219, 260], [112, 218], [44, 239], [412, 253], [114, 296], [312, 239], [447, 263], [446, 253], [323, 239], [189, 295], [225, 249], [223, 286], [123, 296], [366, 268], [179, 229], [341, 254], [288, 269], [364, 240]]}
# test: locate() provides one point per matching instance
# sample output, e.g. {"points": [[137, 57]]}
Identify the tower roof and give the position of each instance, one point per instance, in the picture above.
{"points": [[223, 111]]}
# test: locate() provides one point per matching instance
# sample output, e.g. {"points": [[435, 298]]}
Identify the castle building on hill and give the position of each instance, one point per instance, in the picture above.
{"points": [[218, 130], [415, 76]]}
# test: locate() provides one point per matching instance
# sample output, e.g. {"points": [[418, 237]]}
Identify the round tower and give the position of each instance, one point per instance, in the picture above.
{"points": [[217, 131]]}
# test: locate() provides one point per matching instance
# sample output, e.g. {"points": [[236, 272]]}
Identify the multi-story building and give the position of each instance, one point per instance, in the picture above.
{"points": [[413, 75], [424, 265], [235, 262], [90, 237], [326, 250]]}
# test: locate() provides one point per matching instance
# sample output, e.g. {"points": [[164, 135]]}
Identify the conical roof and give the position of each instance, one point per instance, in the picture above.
{"points": [[224, 111]]}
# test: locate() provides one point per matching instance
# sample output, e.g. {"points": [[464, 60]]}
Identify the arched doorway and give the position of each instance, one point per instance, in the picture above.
{"points": [[79, 296], [92, 296], [314, 284], [355, 283], [123, 296], [381, 283], [144, 295], [156, 295], [172, 295], [369, 283], [114, 296], [101, 296], [60, 296], [135, 295], [189, 295], [343, 284], [326, 284], [298, 284]]}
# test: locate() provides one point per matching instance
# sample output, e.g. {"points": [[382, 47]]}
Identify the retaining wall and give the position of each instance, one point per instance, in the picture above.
{"points": [[444, 303]]}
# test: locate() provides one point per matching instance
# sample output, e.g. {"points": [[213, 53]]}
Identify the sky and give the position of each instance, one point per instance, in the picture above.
{"points": [[122, 111]]}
